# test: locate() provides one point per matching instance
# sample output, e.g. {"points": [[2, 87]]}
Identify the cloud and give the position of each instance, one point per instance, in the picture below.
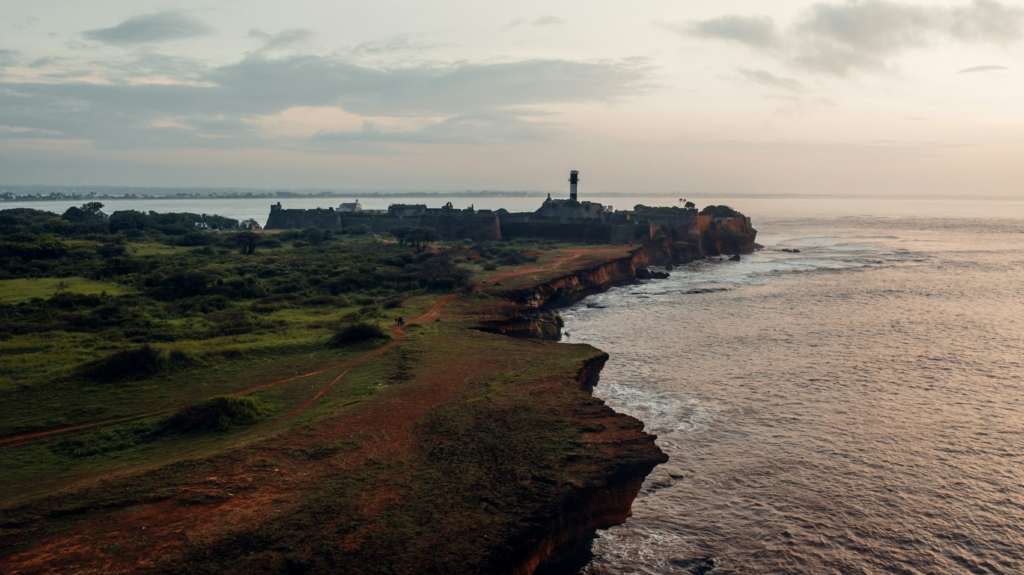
{"points": [[863, 35], [426, 89], [44, 61], [974, 69], [770, 80], [481, 128], [147, 28], [757, 31], [548, 21], [460, 102], [281, 40], [987, 21], [28, 22], [391, 45], [8, 57]]}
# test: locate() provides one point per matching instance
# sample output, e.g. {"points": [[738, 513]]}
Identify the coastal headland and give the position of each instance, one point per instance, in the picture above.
{"points": [[441, 445]]}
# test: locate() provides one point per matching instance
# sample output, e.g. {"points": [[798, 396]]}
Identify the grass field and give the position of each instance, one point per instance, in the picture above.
{"points": [[23, 289]]}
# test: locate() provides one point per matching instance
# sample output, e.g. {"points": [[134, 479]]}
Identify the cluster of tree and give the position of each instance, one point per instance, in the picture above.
{"points": [[722, 211], [182, 228], [418, 238], [662, 210]]}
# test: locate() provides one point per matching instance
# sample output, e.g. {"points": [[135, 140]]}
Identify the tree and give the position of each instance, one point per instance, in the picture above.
{"points": [[400, 234], [420, 238], [314, 236], [129, 220], [93, 209], [722, 211], [89, 212], [247, 242]]}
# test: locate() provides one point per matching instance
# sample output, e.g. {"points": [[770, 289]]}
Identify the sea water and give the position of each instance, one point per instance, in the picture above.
{"points": [[857, 407]]}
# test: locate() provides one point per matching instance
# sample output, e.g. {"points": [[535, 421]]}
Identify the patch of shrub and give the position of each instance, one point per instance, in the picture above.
{"points": [[234, 321], [129, 364], [193, 239], [178, 284], [392, 303], [110, 250], [106, 440], [358, 333], [177, 358], [217, 413], [441, 274], [29, 247], [360, 230], [335, 300]]}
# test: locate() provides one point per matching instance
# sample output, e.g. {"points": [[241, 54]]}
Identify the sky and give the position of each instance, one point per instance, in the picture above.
{"points": [[695, 96]]}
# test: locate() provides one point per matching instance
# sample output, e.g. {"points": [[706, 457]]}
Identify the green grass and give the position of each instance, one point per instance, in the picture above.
{"points": [[23, 289]]}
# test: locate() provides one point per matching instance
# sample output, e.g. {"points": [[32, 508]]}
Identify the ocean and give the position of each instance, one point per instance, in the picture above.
{"points": [[856, 407]]}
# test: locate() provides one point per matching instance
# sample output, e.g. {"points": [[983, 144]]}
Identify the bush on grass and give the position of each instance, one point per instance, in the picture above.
{"points": [[358, 332], [128, 364], [217, 413]]}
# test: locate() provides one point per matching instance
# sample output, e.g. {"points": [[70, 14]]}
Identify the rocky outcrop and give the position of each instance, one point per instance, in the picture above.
{"points": [[533, 318], [728, 236], [573, 287], [590, 372], [616, 455], [619, 456], [535, 325]]}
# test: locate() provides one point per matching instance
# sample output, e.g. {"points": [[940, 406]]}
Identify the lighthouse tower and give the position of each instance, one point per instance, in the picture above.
{"points": [[574, 177]]}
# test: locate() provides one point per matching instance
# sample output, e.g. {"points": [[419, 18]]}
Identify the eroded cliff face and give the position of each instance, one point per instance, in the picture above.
{"points": [[617, 456], [532, 325], [735, 236], [532, 316], [573, 287]]}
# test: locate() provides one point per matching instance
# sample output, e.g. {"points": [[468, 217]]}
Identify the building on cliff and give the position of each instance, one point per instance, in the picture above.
{"points": [[672, 233], [350, 207]]}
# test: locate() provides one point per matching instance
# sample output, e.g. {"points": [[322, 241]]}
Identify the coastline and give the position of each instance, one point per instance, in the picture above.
{"points": [[578, 464]]}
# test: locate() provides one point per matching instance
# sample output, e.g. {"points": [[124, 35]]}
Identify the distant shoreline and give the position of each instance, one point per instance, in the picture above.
{"points": [[11, 194]]}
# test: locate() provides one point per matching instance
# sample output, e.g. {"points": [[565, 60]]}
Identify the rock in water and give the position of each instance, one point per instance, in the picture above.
{"points": [[643, 274], [735, 258]]}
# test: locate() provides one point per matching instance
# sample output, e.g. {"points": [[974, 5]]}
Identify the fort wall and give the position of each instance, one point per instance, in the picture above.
{"points": [[675, 234], [281, 219]]}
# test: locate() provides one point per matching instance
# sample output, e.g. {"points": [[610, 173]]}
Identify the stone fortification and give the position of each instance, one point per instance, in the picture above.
{"points": [[282, 219], [673, 234]]}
